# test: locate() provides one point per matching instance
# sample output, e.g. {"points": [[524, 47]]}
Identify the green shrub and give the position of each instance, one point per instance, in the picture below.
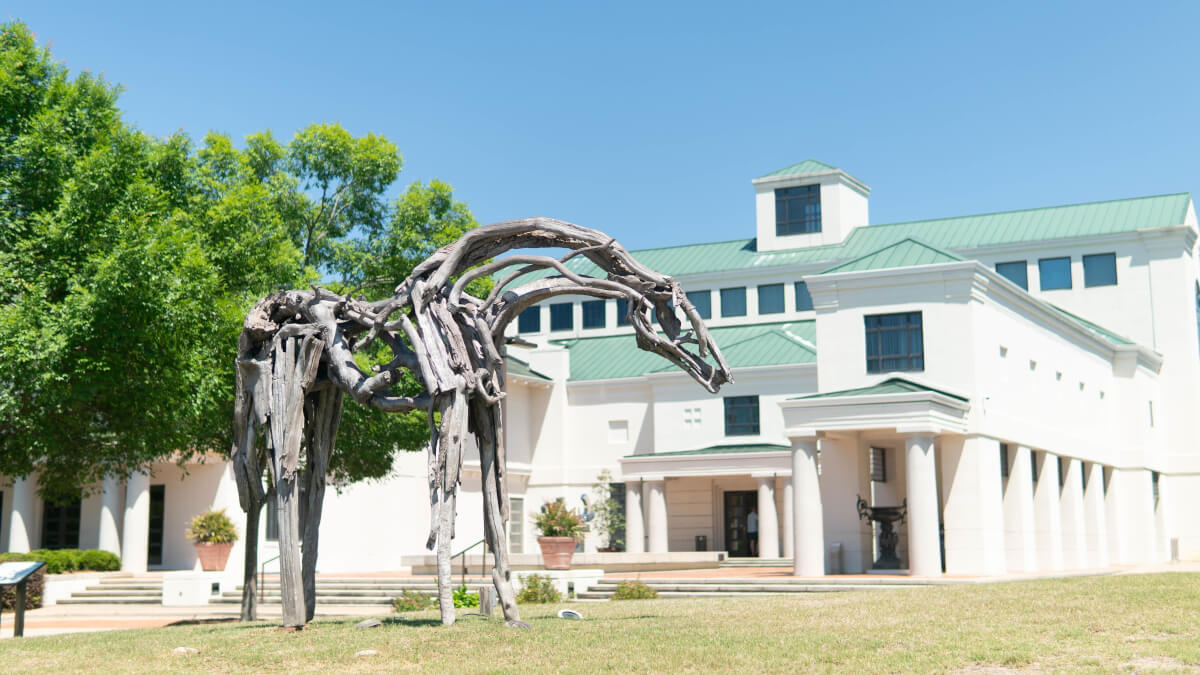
{"points": [[68, 560], [556, 520], [537, 589], [634, 590], [57, 560], [99, 561], [213, 527], [413, 601], [465, 598]]}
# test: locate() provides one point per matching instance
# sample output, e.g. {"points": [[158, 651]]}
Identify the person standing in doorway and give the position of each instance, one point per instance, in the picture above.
{"points": [[752, 531]]}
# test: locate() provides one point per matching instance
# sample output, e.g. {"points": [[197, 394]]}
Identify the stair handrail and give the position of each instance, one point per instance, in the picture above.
{"points": [[262, 570], [463, 554]]}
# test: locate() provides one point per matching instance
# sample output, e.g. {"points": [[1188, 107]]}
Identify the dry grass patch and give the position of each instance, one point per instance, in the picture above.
{"points": [[1117, 623]]}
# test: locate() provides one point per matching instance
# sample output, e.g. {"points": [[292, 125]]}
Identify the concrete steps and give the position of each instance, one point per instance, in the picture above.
{"points": [[708, 588], [355, 591], [756, 562], [118, 591]]}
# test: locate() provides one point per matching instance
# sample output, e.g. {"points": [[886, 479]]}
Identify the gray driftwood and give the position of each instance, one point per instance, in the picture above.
{"points": [[295, 365]]}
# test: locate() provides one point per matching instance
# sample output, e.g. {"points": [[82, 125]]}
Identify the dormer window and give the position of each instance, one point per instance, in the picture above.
{"points": [[798, 210]]}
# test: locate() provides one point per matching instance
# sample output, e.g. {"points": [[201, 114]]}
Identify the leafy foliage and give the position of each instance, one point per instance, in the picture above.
{"points": [[465, 598], [68, 560], [557, 520], [413, 601], [213, 527], [610, 517], [633, 589], [99, 561], [127, 264], [537, 589]]}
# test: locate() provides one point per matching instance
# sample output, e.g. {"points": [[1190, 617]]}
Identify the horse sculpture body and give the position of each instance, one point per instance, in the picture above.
{"points": [[296, 365]]}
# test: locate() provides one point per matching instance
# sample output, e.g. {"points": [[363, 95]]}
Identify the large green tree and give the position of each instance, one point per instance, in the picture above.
{"points": [[127, 263]]}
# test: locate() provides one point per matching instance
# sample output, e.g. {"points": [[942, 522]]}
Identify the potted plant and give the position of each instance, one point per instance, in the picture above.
{"points": [[561, 528], [213, 534], [609, 516]]}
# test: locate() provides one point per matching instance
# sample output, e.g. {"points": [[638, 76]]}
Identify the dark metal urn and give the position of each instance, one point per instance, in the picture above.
{"points": [[885, 516]]}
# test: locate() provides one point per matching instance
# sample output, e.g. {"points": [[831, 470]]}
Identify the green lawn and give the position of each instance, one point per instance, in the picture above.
{"points": [[1114, 623]]}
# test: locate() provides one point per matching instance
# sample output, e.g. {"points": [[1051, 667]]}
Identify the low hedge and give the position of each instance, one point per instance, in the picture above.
{"points": [[68, 560]]}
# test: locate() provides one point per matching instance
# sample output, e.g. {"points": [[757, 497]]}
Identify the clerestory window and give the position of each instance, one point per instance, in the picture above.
{"points": [[798, 210]]}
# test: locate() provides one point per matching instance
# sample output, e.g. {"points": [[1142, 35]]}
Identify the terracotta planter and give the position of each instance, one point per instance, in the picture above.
{"points": [[213, 556], [557, 552]]}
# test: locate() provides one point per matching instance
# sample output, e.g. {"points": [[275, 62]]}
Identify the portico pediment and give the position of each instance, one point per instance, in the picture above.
{"points": [[713, 461], [895, 404]]}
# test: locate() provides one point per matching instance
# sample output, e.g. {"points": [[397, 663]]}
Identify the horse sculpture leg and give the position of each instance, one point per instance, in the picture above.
{"points": [[493, 521]]}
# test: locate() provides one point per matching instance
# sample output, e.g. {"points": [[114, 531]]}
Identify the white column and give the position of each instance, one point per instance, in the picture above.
{"points": [[973, 513], [1074, 528], [789, 519], [924, 545], [1048, 508], [656, 521], [808, 521], [136, 525], [1094, 517], [110, 507], [24, 503], [1020, 528], [768, 519], [635, 528]]}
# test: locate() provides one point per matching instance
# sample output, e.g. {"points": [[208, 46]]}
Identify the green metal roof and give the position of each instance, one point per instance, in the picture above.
{"points": [[521, 369], [808, 166], [895, 385], [1055, 222], [765, 344], [721, 450], [958, 235], [905, 253]]}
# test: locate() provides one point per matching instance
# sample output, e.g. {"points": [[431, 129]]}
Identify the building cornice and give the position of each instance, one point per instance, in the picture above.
{"points": [[926, 412]]}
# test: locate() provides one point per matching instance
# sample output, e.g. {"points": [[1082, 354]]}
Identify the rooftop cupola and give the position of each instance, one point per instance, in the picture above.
{"points": [[808, 204]]}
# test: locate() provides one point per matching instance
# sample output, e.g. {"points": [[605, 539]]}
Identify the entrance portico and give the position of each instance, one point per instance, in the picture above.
{"points": [[703, 499], [881, 443]]}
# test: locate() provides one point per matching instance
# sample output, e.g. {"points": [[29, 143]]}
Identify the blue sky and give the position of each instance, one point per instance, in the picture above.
{"points": [[648, 120]]}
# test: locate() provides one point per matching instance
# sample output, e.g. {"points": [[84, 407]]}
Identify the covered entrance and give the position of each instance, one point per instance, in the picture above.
{"points": [[706, 499]]}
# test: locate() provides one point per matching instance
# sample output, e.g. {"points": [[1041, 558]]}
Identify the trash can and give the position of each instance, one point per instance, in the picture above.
{"points": [[701, 542]]}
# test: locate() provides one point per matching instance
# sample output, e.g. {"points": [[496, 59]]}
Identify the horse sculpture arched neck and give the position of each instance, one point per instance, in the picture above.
{"points": [[296, 365]]}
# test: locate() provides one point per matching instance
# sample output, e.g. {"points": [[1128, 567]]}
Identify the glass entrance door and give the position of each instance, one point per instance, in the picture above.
{"points": [[738, 506], [60, 525], [158, 510]]}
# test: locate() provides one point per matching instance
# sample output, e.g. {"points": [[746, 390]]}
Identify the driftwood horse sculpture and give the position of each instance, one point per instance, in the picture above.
{"points": [[296, 365]]}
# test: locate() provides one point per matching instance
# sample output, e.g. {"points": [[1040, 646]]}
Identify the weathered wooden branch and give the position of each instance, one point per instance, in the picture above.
{"points": [[296, 363]]}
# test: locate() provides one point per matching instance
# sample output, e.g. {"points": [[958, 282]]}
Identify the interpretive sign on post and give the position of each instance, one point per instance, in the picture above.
{"points": [[17, 574]]}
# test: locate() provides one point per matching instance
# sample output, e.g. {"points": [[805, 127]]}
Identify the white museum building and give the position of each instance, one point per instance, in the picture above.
{"points": [[1024, 385]]}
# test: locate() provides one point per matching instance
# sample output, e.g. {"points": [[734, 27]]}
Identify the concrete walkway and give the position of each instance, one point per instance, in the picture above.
{"points": [[86, 618]]}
